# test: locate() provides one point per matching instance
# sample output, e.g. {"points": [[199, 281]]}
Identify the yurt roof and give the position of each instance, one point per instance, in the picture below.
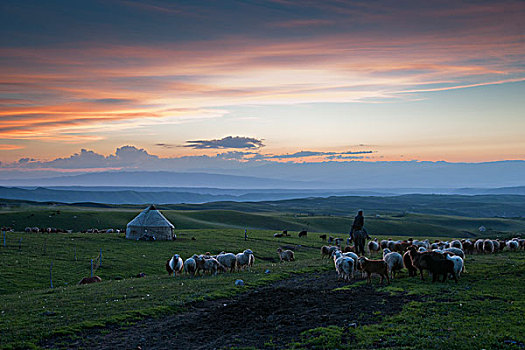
{"points": [[150, 217]]}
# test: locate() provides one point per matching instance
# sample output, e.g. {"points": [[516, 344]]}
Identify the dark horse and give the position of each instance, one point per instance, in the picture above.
{"points": [[359, 242]]}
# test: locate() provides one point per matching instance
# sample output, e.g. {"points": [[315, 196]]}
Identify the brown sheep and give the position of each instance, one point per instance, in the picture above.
{"points": [[327, 251], [373, 266], [407, 260], [88, 280], [285, 255]]}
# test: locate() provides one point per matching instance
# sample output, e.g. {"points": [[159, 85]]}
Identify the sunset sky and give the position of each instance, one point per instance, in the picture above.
{"points": [[262, 80]]}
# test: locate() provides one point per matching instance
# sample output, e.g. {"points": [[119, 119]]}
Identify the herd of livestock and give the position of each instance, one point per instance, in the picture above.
{"points": [[440, 258]]}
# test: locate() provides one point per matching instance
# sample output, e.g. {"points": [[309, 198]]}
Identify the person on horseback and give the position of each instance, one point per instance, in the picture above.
{"points": [[358, 225]]}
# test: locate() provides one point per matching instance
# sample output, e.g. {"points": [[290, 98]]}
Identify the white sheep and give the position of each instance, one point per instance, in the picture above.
{"points": [[176, 264], [394, 262], [373, 246], [244, 259], [285, 255], [488, 246], [344, 266], [190, 266], [422, 249], [228, 260], [458, 263], [352, 255], [455, 251], [210, 265]]}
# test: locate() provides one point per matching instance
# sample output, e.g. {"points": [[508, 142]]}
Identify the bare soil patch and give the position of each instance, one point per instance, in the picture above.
{"points": [[277, 313]]}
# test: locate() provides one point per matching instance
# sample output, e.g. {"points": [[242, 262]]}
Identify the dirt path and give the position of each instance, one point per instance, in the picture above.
{"points": [[279, 312]]}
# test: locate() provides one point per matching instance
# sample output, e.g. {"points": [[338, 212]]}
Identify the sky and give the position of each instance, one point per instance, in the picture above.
{"points": [[83, 83]]}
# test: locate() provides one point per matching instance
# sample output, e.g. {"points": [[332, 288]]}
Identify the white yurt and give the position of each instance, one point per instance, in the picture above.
{"points": [[150, 224]]}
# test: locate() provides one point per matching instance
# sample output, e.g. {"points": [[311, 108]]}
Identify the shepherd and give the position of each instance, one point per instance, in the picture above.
{"points": [[358, 225]]}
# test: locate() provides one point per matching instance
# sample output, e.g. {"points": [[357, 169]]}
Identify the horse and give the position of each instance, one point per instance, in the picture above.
{"points": [[359, 242]]}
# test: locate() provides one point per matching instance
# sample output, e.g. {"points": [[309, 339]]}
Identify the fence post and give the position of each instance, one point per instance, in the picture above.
{"points": [[91, 267], [51, 274], [100, 258]]}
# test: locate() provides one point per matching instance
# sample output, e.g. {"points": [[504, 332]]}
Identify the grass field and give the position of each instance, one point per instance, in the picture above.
{"points": [[483, 310], [79, 218]]}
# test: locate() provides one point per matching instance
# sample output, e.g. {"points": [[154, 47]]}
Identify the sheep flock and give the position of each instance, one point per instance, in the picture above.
{"points": [[442, 259]]}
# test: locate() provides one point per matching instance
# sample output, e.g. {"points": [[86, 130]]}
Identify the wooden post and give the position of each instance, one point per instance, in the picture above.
{"points": [[51, 274]]}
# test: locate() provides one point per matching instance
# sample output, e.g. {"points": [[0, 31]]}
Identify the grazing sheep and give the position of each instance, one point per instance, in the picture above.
{"points": [[513, 245], [407, 261], [383, 244], [88, 280], [228, 260], [488, 246], [455, 251], [323, 237], [438, 266], [352, 255], [373, 246], [174, 265], [416, 259], [190, 266], [458, 263], [478, 245], [496, 245], [277, 235], [285, 255], [344, 267], [327, 251], [422, 249], [349, 248], [210, 265], [456, 244], [373, 266], [243, 259], [468, 247], [391, 245], [303, 233], [338, 241], [330, 240], [285, 233], [394, 260]]}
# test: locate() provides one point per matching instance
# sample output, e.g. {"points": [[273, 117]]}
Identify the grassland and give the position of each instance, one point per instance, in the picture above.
{"points": [[79, 218], [483, 310]]}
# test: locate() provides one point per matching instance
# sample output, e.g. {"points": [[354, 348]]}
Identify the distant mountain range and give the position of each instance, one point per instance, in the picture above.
{"points": [[176, 195]]}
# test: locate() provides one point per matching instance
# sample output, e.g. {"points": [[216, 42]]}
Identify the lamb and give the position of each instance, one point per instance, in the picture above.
{"points": [[374, 266], [458, 264], [394, 261], [174, 265], [228, 260], [243, 259], [323, 237], [488, 246], [438, 267], [285, 255], [373, 246], [303, 233], [190, 266]]}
